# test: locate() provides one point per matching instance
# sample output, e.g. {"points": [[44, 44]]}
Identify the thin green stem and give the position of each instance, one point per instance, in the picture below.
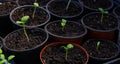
{"points": [[68, 4], [25, 33], [34, 12], [102, 18], [66, 56]]}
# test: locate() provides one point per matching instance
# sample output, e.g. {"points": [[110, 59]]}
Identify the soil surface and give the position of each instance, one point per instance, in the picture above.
{"points": [[70, 30], [94, 21], [30, 2], [40, 16], [7, 7], [95, 4], [56, 55], [17, 39], [117, 11], [105, 50], [59, 8]]}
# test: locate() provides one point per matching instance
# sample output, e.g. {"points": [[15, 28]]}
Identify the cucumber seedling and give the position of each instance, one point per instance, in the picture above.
{"points": [[23, 20], [69, 46], [98, 45], [36, 5], [3, 59], [63, 23], [102, 12]]}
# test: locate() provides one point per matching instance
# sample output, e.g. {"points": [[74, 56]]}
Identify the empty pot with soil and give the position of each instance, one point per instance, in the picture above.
{"points": [[101, 50], [6, 7], [42, 3], [61, 9], [93, 5], [101, 26], [55, 53], [37, 19], [26, 52], [72, 31]]}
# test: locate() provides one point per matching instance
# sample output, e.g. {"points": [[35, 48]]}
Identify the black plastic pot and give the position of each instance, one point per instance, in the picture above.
{"points": [[115, 61], [102, 32], [117, 2], [56, 14], [68, 34], [26, 56], [26, 7], [99, 4], [104, 58], [5, 24], [116, 11]]}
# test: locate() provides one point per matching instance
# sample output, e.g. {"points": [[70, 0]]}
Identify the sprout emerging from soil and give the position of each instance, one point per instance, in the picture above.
{"points": [[69, 46], [102, 12], [98, 44], [3, 59], [23, 20], [63, 23], [36, 5]]}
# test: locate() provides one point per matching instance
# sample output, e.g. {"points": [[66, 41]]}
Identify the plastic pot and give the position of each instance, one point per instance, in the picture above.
{"points": [[100, 5], [26, 55], [5, 24], [30, 7], [103, 54], [116, 11], [56, 13], [62, 38], [115, 61], [60, 43], [109, 34]]}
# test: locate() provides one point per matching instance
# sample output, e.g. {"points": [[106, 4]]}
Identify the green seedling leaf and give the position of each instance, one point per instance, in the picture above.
{"points": [[25, 19], [11, 57], [63, 23], [70, 46], [3, 61], [2, 56], [1, 51], [98, 44], [103, 11], [36, 4], [19, 22]]}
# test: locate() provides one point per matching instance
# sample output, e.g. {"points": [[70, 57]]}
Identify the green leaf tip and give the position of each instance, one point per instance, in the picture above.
{"points": [[11, 57], [36, 4], [63, 23], [69, 46], [25, 19], [103, 11]]}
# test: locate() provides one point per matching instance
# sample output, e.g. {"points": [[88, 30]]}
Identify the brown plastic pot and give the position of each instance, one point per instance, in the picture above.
{"points": [[59, 43], [58, 38]]}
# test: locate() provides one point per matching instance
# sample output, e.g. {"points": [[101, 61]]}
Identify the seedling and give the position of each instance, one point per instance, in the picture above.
{"points": [[98, 44], [63, 23], [3, 59], [36, 5], [69, 46], [103, 12], [24, 19]]}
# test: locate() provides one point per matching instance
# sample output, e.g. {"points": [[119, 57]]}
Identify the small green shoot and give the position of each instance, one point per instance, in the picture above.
{"points": [[24, 19], [103, 12], [69, 46], [3, 59], [63, 23], [98, 44], [36, 5]]}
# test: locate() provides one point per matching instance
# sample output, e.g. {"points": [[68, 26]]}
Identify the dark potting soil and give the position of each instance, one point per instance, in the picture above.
{"points": [[30, 2], [40, 16], [7, 7], [70, 30], [59, 8], [117, 11], [97, 3], [18, 41], [94, 21], [105, 50], [56, 55]]}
